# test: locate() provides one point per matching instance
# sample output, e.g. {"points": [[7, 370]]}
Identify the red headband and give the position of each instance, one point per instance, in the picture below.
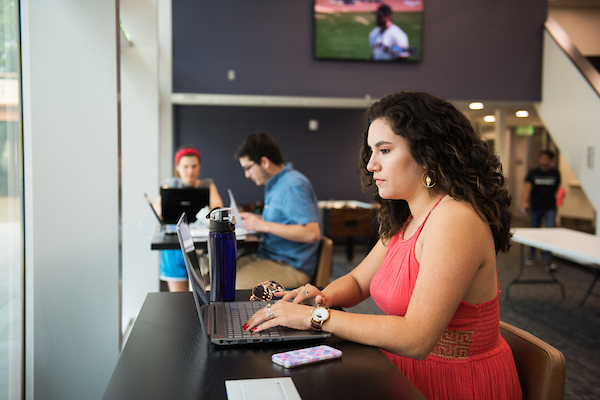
{"points": [[186, 152]]}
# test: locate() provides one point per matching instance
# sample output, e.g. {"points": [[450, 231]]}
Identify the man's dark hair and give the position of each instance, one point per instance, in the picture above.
{"points": [[258, 145], [384, 10], [549, 153]]}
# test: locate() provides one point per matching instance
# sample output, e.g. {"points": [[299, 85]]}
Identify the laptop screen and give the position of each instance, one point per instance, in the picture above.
{"points": [[154, 211], [188, 201], [191, 264]]}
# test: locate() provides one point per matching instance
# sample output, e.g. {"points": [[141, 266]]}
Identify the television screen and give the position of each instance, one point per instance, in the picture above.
{"points": [[368, 30]]}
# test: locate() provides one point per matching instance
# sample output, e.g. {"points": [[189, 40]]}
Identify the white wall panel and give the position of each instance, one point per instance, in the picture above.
{"points": [[140, 151], [570, 110], [70, 126]]}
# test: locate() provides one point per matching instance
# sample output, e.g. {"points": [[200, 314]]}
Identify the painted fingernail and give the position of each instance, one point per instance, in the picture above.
{"points": [[245, 327], [254, 329]]}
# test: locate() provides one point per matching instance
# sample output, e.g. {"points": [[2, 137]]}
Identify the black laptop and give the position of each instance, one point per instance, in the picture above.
{"points": [[177, 201], [222, 322]]}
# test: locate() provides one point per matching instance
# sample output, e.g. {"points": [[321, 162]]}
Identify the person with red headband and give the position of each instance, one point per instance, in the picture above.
{"points": [[187, 175]]}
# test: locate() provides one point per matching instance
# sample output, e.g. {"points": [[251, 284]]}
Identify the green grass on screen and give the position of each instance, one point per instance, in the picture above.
{"points": [[346, 35]]}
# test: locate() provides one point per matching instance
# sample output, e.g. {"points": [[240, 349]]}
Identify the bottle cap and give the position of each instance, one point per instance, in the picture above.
{"points": [[222, 215], [221, 220]]}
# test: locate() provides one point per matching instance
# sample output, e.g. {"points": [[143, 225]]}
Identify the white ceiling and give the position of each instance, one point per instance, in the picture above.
{"points": [[510, 108]]}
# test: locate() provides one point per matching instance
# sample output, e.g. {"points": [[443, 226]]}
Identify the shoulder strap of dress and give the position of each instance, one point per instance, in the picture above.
{"points": [[433, 208], [401, 232]]}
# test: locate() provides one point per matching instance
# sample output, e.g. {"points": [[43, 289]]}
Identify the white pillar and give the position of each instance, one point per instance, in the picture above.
{"points": [[70, 136], [139, 151], [165, 37]]}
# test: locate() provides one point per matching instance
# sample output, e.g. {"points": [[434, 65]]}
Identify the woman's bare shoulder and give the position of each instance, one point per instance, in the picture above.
{"points": [[457, 213]]}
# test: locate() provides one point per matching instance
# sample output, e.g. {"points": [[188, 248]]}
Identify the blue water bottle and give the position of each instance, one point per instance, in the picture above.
{"points": [[222, 253]]}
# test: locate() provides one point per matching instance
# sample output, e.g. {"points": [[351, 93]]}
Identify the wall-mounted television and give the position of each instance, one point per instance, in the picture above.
{"points": [[379, 31]]}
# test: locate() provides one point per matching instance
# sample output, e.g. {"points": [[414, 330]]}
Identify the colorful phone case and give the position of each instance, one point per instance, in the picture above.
{"points": [[294, 358]]}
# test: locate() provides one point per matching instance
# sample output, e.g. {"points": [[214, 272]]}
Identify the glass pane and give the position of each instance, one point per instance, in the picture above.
{"points": [[11, 206]]}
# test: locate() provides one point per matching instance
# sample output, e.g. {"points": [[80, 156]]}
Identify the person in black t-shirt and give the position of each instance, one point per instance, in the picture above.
{"points": [[539, 195]]}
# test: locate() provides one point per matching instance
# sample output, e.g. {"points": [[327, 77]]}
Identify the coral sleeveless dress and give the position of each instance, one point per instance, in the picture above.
{"points": [[471, 360]]}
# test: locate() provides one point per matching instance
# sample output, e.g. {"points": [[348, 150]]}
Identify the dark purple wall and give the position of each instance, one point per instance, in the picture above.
{"points": [[328, 157], [472, 49]]}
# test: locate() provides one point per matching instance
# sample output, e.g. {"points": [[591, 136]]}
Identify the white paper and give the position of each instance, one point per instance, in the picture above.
{"points": [[260, 389], [239, 229], [199, 232]]}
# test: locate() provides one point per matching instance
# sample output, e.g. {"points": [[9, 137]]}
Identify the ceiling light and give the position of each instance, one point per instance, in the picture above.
{"points": [[522, 114], [476, 106], [489, 118]]}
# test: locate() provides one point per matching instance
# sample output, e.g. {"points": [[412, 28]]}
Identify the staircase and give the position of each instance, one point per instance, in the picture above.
{"points": [[570, 109]]}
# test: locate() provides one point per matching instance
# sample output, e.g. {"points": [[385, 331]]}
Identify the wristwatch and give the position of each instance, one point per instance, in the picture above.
{"points": [[319, 315]]}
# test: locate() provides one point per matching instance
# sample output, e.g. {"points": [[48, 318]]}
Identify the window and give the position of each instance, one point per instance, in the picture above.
{"points": [[11, 205]]}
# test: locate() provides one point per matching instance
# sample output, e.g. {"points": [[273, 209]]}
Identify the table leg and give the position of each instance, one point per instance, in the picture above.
{"points": [[520, 273], [517, 278], [589, 291], [553, 278], [349, 248]]}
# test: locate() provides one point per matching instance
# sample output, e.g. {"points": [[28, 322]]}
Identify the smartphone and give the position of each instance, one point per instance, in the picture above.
{"points": [[309, 355]]}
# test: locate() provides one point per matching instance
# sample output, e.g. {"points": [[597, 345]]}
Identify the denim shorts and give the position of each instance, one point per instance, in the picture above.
{"points": [[172, 266]]}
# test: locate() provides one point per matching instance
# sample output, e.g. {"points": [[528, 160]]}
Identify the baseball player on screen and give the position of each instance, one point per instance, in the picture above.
{"points": [[387, 40]]}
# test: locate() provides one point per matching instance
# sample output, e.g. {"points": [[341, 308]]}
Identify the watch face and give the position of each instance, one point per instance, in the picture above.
{"points": [[320, 314]]}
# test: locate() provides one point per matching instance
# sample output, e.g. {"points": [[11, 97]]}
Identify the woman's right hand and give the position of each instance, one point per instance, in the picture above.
{"points": [[307, 294]]}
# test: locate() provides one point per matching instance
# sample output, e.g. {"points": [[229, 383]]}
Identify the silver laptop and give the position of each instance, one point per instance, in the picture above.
{"points": [[222, 322]]}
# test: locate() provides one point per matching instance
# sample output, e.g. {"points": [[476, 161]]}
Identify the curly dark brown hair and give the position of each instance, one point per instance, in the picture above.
{"points": [[443, 140]]}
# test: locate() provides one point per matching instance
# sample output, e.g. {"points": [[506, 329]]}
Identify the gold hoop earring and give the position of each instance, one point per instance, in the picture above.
{"points": [[427, 181]]}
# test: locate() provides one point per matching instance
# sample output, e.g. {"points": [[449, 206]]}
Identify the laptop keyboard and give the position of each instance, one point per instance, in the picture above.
{"points": [[237, 315]]}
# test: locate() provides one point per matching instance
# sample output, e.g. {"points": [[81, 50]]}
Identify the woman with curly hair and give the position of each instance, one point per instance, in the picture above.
{"points": [[444, 216]]}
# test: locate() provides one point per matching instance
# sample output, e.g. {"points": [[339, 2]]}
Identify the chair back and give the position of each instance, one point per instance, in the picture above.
{"points": [[541, 367], [323, 272]]}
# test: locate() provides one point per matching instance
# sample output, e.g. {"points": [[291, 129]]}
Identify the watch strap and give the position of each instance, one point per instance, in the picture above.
{"points": [[316, 325]]}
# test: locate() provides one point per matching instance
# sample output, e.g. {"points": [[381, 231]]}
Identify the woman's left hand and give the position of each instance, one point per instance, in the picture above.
{"points": [[307, 294], [294, 314], [282, 313]]}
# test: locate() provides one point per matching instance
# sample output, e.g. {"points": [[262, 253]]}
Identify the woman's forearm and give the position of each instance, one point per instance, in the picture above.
{"points": [[344, 292]]}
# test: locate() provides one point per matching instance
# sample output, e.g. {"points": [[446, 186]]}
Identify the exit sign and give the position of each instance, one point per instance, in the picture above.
{"points": [[525, 130]]}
